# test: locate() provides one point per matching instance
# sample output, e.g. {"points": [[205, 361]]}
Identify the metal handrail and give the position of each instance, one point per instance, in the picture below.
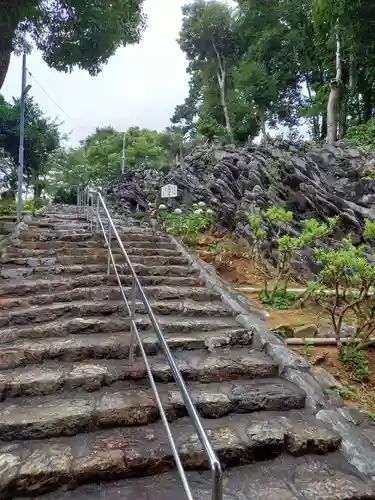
{"points": [[83, 202]]}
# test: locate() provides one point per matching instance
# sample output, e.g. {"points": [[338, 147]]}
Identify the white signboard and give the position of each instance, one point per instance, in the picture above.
{"points": [[169, 191]]}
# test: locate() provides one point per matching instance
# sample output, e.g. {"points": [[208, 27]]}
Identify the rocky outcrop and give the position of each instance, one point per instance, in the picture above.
{"points": [[334, 180]]}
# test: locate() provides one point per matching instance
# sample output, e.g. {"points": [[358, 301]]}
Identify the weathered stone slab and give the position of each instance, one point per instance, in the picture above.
{"points": [[140, 450], [52, 415], [358, 450], [315, 397]]}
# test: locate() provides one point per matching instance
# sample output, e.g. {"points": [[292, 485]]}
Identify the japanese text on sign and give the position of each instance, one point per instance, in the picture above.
{"points": [[169, 191]]}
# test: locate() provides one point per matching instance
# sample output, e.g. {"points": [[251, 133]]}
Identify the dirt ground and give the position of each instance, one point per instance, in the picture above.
{"points": [[234, 266], [355, 392]]}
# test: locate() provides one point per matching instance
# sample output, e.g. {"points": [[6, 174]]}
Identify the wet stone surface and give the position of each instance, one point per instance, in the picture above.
{"points": [[74, 411], [143, 450], [280, 479], [133, 404]]}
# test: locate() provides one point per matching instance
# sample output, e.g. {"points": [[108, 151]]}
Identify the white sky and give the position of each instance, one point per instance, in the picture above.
{"points": [[141, 85]]}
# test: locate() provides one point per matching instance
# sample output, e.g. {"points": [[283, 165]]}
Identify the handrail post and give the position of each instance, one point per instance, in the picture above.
{"points": [[132, 321], [97, 212], [217, 482], [87, 206], [109, 248], [92, 212]]}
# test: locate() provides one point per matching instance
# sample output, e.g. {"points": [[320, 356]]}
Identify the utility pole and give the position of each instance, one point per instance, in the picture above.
{"points": [[22, 137], [123, 154]]}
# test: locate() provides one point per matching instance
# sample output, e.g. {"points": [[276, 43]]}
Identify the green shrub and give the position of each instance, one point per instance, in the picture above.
{"points": [[362, 135], [269, 224], [187, 225], [344, 285], [356, 361], [9, 207]]}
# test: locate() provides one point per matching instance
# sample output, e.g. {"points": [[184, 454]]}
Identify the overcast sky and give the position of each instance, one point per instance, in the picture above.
{"points": [[141, 85]]}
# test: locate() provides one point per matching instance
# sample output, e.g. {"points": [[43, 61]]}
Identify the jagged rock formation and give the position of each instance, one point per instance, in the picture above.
{"points": [[318, 182], [75, 414]]}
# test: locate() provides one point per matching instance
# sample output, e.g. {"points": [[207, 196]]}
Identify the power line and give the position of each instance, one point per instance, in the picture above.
{"points": [[51, 98]]}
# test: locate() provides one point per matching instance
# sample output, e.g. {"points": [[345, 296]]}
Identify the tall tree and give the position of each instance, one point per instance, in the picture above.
{"points": [[207, 37], [83, 33], [42, 138], [259, 89]]}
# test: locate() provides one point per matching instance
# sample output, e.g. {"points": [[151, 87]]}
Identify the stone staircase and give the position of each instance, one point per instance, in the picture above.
{"points": [[79, 422]]}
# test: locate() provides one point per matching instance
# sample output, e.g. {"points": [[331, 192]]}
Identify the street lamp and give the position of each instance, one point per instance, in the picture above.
{"points": [[24, 90], [123, 154]]}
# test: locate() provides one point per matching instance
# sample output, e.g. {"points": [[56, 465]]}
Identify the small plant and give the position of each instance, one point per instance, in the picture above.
{"points": [[344, 286], [283, 300], [356, 361], [280, 332], [188, 224], [9, 207], [345, 392], [372, 415], [268, 226], [306, 348]]}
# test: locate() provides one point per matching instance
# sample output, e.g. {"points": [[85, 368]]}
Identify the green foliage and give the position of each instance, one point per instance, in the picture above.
{"points": [[369, 231], [187, 225], [42, 138], [348, 273], [278, 300], [345, 392], [306, 348], [356, 361], [269, 224], [78, 33], [9, 207], [362, 135], [98, 160], [279, 60], [372, 415], [64, 195], [280, 332]]}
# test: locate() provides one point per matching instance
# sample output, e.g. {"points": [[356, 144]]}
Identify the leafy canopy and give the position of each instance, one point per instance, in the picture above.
{"points": [[82, 33]]}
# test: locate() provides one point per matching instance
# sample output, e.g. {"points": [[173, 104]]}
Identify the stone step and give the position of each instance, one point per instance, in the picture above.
{"points": [[71, 260], [14, 272], [145, 451], [63, 284], [110, 293], [283, 478], [130, 404], [198, 365], [60, 224], [95, 242], [83, 309], [34, 235], [112, 346], [47, 215], [83, 235], [53, 252], [99, 324]]}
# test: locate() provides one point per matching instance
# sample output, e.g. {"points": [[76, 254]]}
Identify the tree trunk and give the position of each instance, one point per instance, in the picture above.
{"points": [[11, 12], [315, 119], [323, 127], [221, 81], [37, 188], [221, 76], [335, 96], [262, 119]]}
